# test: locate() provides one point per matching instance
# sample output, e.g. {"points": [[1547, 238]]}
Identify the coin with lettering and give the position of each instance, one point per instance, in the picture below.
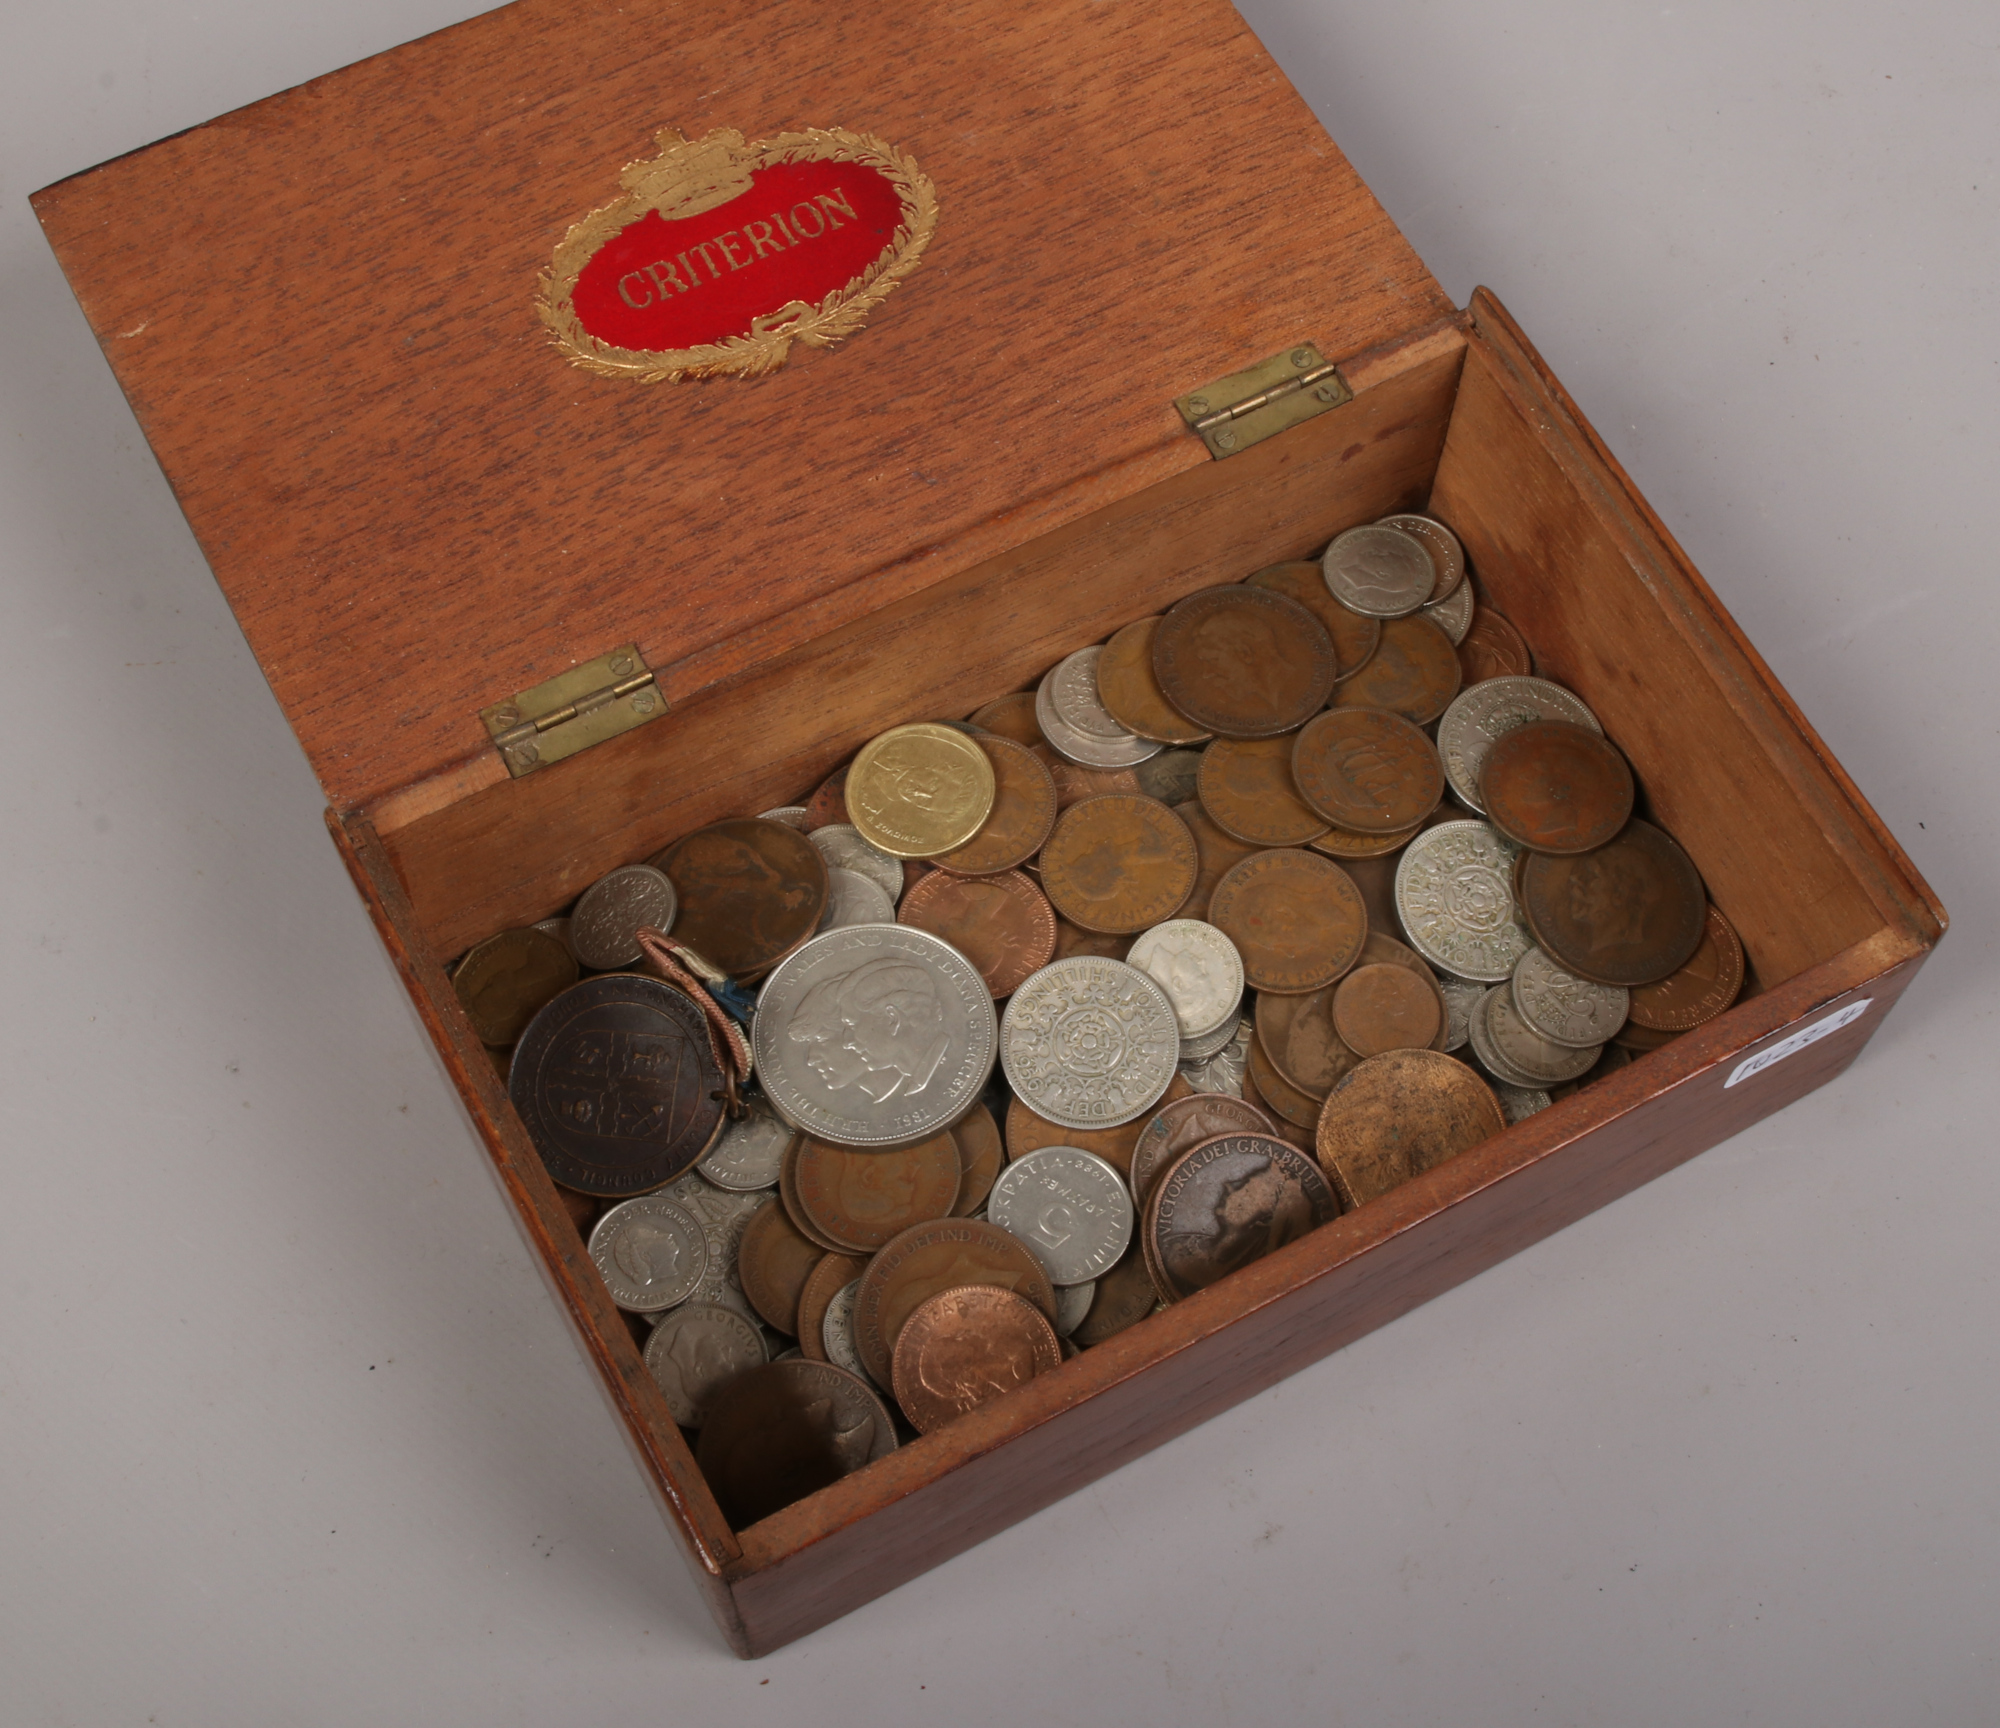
{"points": [[1199, 969], [861, 1199], [507, 979], [1297, 920], [775, 1434], [852, 899], [1563, 1008], [1131, 694], [617, 1085], [1383, 1007], [1632, 912], [1354, 637], [841, 845], [1071, 1209], [747, 1153], [945, 1254], [1123, 1297], [1518, 1103], [1400, 1114], [750, 892], [836, 1331], [1246, 787], [1223, 1072], [1170, 776], [1491, 1062], [1244, 662], [1297, 1037], [1217, 853], [1089, 1043], [1493, 648], [1447, 555], [1024, 810], [920, 790], [774, 1260], [1455, 898], [1230, 1201], [1706, 985], [695, 1351], [723, 1217], [603, 928], [1380, 571], [650, 1253], [1074, 783], [1002, 923], [962, 1349], [1176, 1127], [1118, 864], [1414, 672], [834, 1273], [981, 1156], [1454, 613], [1485, 713], [1554, 787], [1028, 1132], [1010, 717], [1367, 770], [1104, 743], [1525, 1050]]}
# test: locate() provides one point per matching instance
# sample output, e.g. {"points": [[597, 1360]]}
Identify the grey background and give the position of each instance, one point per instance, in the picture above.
{"points": [[289, 1432]]}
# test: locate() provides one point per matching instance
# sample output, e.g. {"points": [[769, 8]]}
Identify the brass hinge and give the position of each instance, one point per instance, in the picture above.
{"points": [[574, 710], [1272, 397]]}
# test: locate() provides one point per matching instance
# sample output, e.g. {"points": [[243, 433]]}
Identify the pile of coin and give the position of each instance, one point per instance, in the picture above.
{"points": [[1068, 1010]]}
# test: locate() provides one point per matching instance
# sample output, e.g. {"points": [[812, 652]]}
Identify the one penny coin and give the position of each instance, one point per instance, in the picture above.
{"points": [[1118, 864], [981, 1156], [1244, 662], [1024, 810], [1296, 919], [1074, 782], [1380, 571], [1129, 691], [1298, 1038], [1383, 950], [1010, 717], [1001, 923], [778, 1433], [1701, 989], [750, 892], [1230, 1201], [1632, 912], [1185, 1123], [1555, 787], [1297, 1107], [1379, 1008], [861, 1199], [1447, 555], [1246, 787], [964, 1348], [1367, 770], [920, 790], [826, 1280], [774, 1260], [1353, 848], [1398, 1115], [1353, 636], [1492, 648], [1218, 853], [946, 1254], [788, 1195], [507, 979], [1414, 673], [1125, 1296]]}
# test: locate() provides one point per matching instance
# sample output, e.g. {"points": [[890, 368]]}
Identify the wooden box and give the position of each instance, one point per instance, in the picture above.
{"points": [[322, 310]]}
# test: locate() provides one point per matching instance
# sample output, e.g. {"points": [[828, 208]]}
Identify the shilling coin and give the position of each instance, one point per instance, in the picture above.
{"points": [[1131, 695], [774, 1261], [1089, 1043], [1564, 1008], [1010, 717], [1455, 897], [981, 1156], [1382, 572], [1124, 1296], [836, 1330], [1385, 1007], [507, 979], [1222, 1072], [723, 1217], [1296, 1036], [1632, 912], [1526, 1051], [1229, 1201], [1288, 1103], [792, 815], [1200, 1049], [1367, 770], [1024, 810], [695, 1351], [750, 892], [1184, 1124], [1396, 1116], [602, 929], [1246, 787], [944, 1255], [920, 790], [1073, 693], [1296, 918], [617, 1085], [1112, 748], [1447, 555], [1119, 864], [834, 1273], [1200, 971], [650, 1252], [1171, 776], [964, 1348], [1069, 1206], [861, 1199], [1554, 787], [747, 1154], [1072, 1303], [1492, 1064], [852, 899], [874, 1036], [1414, 673], [1454, 613], [1492, 648], [1518, 1103], [1354, 637], [783, 1431], [1700, 990], [1461, 996], [1484, 713], [841, 845], [1002, 923], [1244, 662], [1216, 853]]}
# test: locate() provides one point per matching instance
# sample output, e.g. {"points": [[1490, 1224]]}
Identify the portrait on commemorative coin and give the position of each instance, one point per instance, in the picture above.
{"points": [[879, 1028]]}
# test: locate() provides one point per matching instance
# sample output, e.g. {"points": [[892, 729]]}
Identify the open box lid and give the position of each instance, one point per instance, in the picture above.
{"points": [[324, 311]]}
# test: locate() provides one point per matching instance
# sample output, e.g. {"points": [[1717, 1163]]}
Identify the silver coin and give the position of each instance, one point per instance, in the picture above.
{"points": [[559, 929], [1461, 996], [1169, 776], [1089, 1042], [723, 1217], [1483, 713], [603, 928], [749, 1154], [1200, 970], [1455, 895], [1073, 694], [792, 815], [1200, 1049], [1453, 614], [843, 848], [1480, 1032], [1379, 572], [836, 1331], [1564, 1008], [1072, 1303], [1069, 1206], [1517, 1103], [1224, 1071], [874, 1035], [1088, 749], [650, 1252], [1447, 555], [852, 899], [1527, 1052], [697, 1350]]}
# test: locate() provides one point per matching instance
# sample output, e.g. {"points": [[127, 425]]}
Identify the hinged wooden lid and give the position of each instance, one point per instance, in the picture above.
{"points": [[322, 308]]}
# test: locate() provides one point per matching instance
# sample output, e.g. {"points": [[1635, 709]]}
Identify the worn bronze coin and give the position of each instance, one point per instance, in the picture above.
{"points": [[1353, 636], [982, 1154], [1381, 950], [1118, 864], [1492, 648], [507, 979], [788, 1195], [1028, 1132], [1131, 694], [1289, 1132], [1024, 810], [1383, 1007], [1125, 1295], [1297, 920], [1011, 717], [1296, 1036], [1702, 988], [1002, 923], [943, 1255], [617, 1085], [828, 804], [1169, 776], [1297, 1107], [1414, 673], [1555, 787], [1218, 853], [1186, 1122], [1071, 941], [1400, 1114], [774, 1260], [920, 790], [1074, 782], [775, 1434], [861, 1199], [750, 891], [826, 1280], [1230, 1201], [1244, 662], [1640, 1039], [1632, 912], [1354, 848], [1246, 787], [1367, 770], [964, 1348]]}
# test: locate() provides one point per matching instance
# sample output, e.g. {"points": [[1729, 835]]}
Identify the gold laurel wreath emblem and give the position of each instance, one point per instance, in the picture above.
{"points": [[687, 178]]}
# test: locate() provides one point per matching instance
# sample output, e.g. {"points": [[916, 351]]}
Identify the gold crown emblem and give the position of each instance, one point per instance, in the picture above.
{"points": [[687, 178]]}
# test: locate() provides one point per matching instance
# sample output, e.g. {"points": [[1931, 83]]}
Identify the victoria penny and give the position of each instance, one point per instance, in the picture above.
{"points": [[1218, 853], [946, 1254], [750, 892], [1367, 770], [1555, 787], [1001, 923], [1244, 662], [1353, 636], [1385, 1007], [1131, 694], [1632, 912], [826, 1280], [1400, 1114], [1230, 1201], [1187, 1122], [1011, 717], [964, 1348], [1296, 919], [1246, 787], [861, 1199], [1702, 988], [1492, 648], [1118, 864], [1414, 673]]}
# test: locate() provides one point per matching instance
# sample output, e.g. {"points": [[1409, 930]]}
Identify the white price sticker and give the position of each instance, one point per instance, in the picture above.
{"points": [[1751, 1066]]}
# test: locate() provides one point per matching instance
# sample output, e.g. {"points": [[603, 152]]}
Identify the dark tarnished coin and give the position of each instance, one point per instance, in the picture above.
{"points": [[1353, 636], [1002, 923], [964, 1348], [1125, 1296], [1246, 787], [786, 1430], [774, 1260], [1244, 662], [1299, 1108], [617, 1086], [1492, 648], [1118, 864], [1379, 570], [861, 1199], [1380, 1008], [1230, 1201], [945, 1255], [1176, 1127], [1367, 770], [1296, 919], [1218, 853], [826, 1281], [1358, 848], [1414, 672], [1398, 1115], [1131, 694], [603, 930], [1701, 989], [1640, 1039], [1447, 555], [1299, 1039], [507, 979], [1024, 810], [1630, 913], [1555, 787], [981, 1155], [750, 892], [1169, 776], [1011, 717]]}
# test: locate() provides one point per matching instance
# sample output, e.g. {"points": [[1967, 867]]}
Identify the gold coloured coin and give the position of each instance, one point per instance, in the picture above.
{"points": [[920, 790]]}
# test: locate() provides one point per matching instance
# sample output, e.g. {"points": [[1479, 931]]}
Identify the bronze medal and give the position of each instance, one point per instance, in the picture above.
{"points": [[964, 1348], [1354, 637], [1398, 1115], [1246, 787], [1415, 672], [1706, 985], [1001, 923], [1131, 694], [1011, 717], [750, 891], [1492, 648], [1630, 913], [1024, 810], [1555, 787], [507, 979], [1230, 1201], [1367, 771], [1296, 919], [1244, 662], [1118, 864], [1385, 1007], [943, 1255], [861, 1199], [1217, 853]]}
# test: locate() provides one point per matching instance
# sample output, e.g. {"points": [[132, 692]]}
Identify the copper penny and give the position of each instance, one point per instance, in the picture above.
{"points": [[1027, 1132], [507, 979], [1244, 662], [1131, 694], [981, 1157], [826, 1280], [1074, 782], [1011, 717], [1289, 1132], [944, 1255], [1230, 1201], [1001, 923], [1299, 1108], [1246, 787], [1119, 864], [1380, 1008], [1367, 770], [1353, 848], [1630, 913], [1218, 853], [775, 1434], [1414, 673], [1555, 787], [1071, 941], [861, 1199], [1398, 1115], [1701, 989], [788, 1196], [828, 805], [1024, 810], [1376, 878], [1125, 1296], [1187, 1122], [1296, 919], [1492, 648], [1640, 1039], [1299, 1039], [1381, 950], [1354, 637], [964, 1348], [751, 891], [774, 1260]]}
